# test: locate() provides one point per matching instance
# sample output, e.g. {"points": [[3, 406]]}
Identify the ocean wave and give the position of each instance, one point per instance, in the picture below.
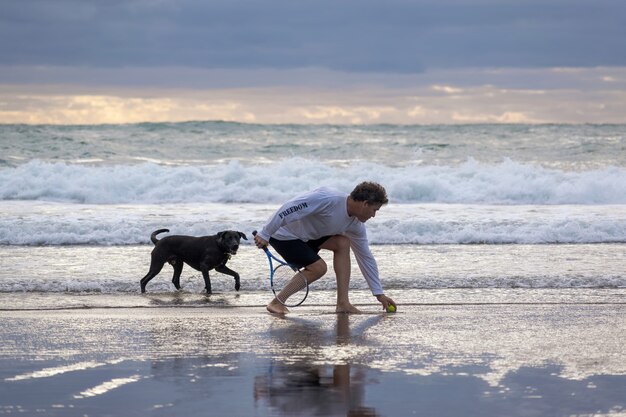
{"points": [[44, 223], [117, 270], [472, 182]]}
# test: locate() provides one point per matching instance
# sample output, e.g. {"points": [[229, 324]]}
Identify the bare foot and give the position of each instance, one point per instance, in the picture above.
{"points": [[347, 308], [276, 307]]}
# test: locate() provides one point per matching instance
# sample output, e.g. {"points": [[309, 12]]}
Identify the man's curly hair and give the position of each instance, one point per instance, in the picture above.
{"points": [[371, 192]]}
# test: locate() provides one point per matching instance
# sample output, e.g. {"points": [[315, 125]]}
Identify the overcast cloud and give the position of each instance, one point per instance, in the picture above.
{"points": [[86, 45], [397, 36]]}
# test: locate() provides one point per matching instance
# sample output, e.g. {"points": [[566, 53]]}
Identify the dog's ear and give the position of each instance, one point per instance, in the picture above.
{"points": [[220, 235], [243, 235]]}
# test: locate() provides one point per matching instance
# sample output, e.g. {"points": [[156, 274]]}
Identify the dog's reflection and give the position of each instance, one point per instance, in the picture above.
{"points": [[323, 371]]}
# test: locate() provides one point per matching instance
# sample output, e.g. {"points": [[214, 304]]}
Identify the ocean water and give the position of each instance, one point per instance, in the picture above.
{"points": [[484, 207]]}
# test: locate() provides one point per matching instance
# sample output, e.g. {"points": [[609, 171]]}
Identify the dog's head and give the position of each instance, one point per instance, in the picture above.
{"points": [[229, 240]]}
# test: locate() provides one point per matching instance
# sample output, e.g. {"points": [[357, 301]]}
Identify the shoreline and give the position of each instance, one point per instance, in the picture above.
{"points": [[438, 359], [74, 301], [117, 269]]}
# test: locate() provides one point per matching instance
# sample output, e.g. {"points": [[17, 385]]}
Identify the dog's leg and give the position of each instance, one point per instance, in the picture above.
{"points": [[226, 270], [178, 269], [207, 281], [155, 268]]}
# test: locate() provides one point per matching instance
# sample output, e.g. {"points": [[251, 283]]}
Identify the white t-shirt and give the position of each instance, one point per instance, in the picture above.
{"points": [[319, 213]]}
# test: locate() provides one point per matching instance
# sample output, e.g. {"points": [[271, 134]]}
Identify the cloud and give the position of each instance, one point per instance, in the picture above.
{"points": [[312, 61], [455, 96], [396, 36], [447, 89]]}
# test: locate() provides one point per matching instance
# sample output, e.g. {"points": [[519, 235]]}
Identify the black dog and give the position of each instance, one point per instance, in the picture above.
{"points": [[201, 253]]}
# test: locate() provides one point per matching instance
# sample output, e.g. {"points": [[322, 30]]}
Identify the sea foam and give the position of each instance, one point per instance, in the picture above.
{"points": [[48, 223], [472, 182]]}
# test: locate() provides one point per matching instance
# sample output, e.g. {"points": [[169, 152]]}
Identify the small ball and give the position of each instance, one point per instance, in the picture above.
{"points": [[391, 308]]}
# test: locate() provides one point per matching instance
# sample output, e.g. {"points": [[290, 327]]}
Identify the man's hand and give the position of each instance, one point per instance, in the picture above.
{"points": [[260, 242], [385, 301]]}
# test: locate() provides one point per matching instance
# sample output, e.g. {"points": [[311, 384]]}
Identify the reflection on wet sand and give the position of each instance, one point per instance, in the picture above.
{"points": [[488, 360], [301, 387]]}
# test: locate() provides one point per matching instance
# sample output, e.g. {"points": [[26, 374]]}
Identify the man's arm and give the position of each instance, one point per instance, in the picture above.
{"points": [[292, 211], [364, 258], [367, 264]]}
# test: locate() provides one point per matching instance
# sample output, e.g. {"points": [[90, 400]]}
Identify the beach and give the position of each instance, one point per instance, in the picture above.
{"points": [[504, 247], [489, 354]]}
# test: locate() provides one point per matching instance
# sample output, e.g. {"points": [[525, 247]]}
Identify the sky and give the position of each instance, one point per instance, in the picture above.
{"points": [[313, 61]]}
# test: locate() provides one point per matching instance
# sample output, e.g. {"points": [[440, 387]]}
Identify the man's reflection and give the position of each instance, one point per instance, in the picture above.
{"points": [[310, 381]]}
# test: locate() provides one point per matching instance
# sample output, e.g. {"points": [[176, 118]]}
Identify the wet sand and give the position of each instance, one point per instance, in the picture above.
{"points": [[439, 358]]}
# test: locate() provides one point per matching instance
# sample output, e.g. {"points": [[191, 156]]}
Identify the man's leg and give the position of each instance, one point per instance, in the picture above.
{"points": [[340, 245], [312, 273]]}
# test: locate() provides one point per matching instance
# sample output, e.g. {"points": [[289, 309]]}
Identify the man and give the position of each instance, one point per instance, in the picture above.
{"points": [[331, 220]]}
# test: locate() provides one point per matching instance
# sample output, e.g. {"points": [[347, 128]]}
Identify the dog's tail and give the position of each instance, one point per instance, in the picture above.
{"points": [[156, 232]]}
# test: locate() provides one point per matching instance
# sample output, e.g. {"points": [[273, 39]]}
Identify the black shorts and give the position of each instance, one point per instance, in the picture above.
{"points": [[297, 252]]}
